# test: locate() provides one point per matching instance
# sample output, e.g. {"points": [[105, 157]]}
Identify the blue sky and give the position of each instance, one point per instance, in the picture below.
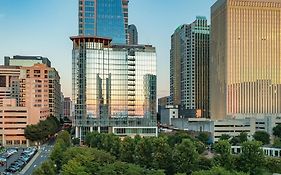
{"points": [[43, 27]]}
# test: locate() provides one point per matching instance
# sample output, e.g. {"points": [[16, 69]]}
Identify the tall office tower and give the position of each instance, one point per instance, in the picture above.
{"points": [[245, 74], [175, 68], [104, 18], [26, 60], [113, 82], [34, 89], [133, 35], [189, 69]]}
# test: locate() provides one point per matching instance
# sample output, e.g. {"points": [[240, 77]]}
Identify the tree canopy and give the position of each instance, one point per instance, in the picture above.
{"points": [[42, 130], [277, 131], [163, 155], [262, 136]]}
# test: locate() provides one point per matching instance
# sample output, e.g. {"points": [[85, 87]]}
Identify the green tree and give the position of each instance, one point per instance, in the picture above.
{"points": [[217, 171], [235, 140], [154, 172], [277, 131], [144, 152], [33, 133], [252, 159], [262, 136], [54, 124], [162, 155], [224, 157], [273, 165], [74, 167], [200, 147], [204, 163], [120, 168], [176, 138], [185, 156], [47, 168], [76, 141], [96, 156], [203, 137], [65, 136], [42, 130], [94, 139], [88, 137], [243, 137], [111, 143], [128, 147], [56, 154], [277, 142], [224, 137]]}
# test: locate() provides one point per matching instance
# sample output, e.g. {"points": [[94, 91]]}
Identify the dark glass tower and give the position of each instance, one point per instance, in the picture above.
{"points": [[104, 18], [133, 34]]}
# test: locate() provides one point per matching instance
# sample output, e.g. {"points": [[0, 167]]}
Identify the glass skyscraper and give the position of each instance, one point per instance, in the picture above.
{"points": [[245, 74], [104, 18], [113, 82]]}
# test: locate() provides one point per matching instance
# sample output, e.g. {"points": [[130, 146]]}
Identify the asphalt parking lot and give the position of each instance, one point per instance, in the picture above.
{"points": [[15, 159], [11, 159]]}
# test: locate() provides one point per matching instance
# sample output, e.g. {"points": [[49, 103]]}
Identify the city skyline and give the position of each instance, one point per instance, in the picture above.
{"points": [[47, 26]]}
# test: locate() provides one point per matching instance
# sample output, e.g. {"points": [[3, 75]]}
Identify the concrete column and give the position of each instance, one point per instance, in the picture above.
{"points": [[27, 142], [91, 129], [3, 137], [98, 129], [80, 133], [76, 132]]}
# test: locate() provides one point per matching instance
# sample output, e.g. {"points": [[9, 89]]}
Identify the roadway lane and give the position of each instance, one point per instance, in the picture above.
{"points": [[44, 153]]}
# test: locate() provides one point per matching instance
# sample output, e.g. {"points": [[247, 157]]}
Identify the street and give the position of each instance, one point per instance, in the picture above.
{"points": [[43, 154]]}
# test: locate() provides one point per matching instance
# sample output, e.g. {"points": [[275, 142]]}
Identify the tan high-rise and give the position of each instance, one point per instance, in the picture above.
{"points": [[245, 72]]}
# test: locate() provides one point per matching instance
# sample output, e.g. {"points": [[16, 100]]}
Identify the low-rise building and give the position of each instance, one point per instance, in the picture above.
{"points": [[229, 126], [14, 119], [168, 113]]}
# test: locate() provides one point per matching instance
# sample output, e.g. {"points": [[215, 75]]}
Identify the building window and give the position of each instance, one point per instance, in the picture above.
{"points": [[16, 142], [9, 142]]}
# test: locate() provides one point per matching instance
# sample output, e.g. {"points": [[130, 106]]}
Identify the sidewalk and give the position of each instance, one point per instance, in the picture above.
{"points": [[26, 167]]}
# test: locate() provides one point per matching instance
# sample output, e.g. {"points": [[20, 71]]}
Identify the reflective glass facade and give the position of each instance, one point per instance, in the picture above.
{"points": [[104, 18], [245, 59], [113, 80]]}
